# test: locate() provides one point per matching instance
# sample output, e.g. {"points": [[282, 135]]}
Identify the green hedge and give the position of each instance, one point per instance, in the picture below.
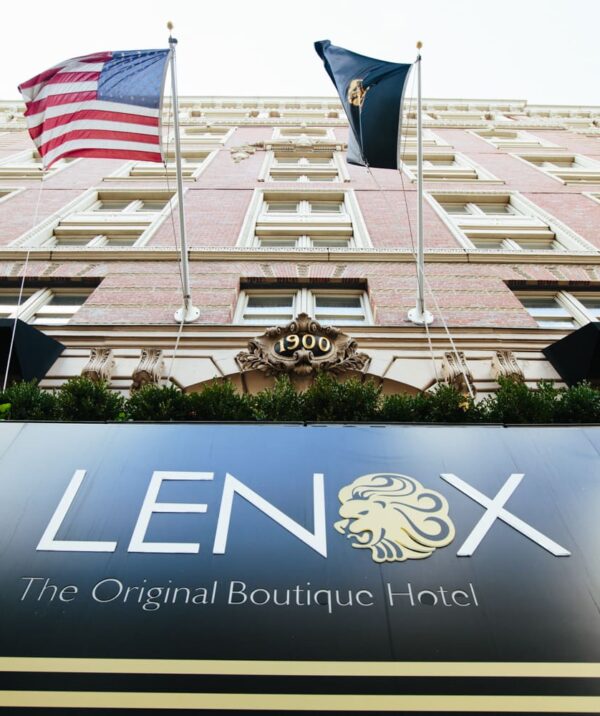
{"points": [[326, 400]]}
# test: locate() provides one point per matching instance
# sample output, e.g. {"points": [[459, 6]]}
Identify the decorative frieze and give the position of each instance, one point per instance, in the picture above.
{"points": [[149, 370], [302, 347], [100, 365]]}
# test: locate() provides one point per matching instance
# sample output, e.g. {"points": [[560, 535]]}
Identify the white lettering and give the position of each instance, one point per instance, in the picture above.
{"points": [[494, 511], [150, 506], [316, 541], [49, 543]]}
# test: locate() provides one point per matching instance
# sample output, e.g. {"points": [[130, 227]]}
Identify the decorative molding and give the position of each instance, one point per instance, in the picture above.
{"points": [[149, 370], [506, 365], [302, 347], [455, 371], [100, 365], [244, 151]]}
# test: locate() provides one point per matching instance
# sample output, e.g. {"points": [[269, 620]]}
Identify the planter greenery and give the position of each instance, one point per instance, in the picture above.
{"points": [[326, 400], [81, 399]]}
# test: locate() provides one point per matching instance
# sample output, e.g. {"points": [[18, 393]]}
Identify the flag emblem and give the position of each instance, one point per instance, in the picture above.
{"points": [[356, 93], [107, 105]]}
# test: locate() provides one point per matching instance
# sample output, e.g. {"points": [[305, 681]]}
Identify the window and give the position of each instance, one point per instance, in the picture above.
{"points": [[193, 162], [408, 140], [330, 307], [446, 166], [104, 218], [511, 138], [506, 222], [303, 220], [45, 306], [28, 165], [307, 135], [567, 168], [205, 135], [561, 309], [303, 166]]}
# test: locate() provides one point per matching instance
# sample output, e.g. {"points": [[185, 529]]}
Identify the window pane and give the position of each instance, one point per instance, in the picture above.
{"points": [[112, 205], [113, 243], [331, 243], [537, 244], [67, 299], [11, 298], [152, 206], [456, 208], [282, 207], [489, 244], [276, 242], [592, 305], [544, 306], [270, 301], [494, 208], [325, 207], [350, 302]]}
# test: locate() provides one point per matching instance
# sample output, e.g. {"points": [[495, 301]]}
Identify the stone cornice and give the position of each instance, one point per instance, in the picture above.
{"points": [[370, 255]]}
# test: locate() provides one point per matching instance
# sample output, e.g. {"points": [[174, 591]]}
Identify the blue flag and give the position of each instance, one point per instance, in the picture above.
{"points": [[371, 92]]}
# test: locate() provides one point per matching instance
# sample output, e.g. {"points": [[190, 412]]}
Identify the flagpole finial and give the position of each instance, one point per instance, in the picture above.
{"points": [[170, 26], [419, 45]]}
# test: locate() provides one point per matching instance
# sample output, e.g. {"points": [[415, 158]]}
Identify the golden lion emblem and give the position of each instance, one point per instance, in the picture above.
{"points": [[394, 516], [356, 92]]}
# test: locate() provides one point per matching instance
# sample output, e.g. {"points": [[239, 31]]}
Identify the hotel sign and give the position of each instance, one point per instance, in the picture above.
{"points": [[238, 544]]}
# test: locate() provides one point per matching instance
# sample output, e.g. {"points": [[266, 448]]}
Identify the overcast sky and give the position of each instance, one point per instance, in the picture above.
{"points": [[544, 51]]}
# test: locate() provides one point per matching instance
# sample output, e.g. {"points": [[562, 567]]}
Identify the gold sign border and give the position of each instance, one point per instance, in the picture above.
{"points": [[585, 670], [305, 702]]}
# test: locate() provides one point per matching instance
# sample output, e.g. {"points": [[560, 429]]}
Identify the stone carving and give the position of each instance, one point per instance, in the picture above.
{"points": [[100, 365], [455, 371], [303, 347], [505, 365], [149, 369], [244, 151]]}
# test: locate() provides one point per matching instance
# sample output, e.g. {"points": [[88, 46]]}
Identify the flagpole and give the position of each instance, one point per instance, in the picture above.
{"points": [[419, 314], [188, 312]]}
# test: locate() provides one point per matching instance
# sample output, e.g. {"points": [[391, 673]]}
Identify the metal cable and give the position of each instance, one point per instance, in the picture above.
{"points": [[25, 267]]}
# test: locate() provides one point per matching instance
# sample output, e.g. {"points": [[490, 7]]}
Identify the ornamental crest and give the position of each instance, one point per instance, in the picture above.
{"points": [[303, 347], [394, 516]]}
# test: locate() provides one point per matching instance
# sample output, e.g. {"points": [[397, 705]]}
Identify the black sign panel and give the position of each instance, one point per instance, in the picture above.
{"points": [[319, 543]]}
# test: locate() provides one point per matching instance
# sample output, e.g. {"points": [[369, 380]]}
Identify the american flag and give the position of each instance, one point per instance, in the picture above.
{"points": [[103, 105]]}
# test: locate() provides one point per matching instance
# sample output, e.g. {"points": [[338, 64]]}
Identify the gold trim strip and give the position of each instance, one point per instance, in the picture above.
{"points": [[306, 702], [301, 668]]}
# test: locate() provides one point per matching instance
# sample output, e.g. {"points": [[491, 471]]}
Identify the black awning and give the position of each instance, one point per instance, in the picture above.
{"points": [[577, 356], [33, 352]]}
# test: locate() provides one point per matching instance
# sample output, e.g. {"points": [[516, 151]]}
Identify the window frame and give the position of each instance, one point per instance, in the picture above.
{"points": [[37, 171], [28, 310], [124, 171], [534, 220], [80, 215], [463, 162], [524, 140], [336, 167], [567, 299], [303, 302], [581, 165], [258, 223]]}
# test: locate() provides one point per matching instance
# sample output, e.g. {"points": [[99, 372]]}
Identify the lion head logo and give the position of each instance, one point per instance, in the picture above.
{"points": [[394, 516], [356, 92]]}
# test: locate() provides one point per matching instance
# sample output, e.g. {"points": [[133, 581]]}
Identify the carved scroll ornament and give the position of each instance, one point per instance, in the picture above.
{"points": [[303, 347]]}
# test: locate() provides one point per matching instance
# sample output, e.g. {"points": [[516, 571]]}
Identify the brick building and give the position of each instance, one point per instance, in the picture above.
{"points": [[278, 224]]}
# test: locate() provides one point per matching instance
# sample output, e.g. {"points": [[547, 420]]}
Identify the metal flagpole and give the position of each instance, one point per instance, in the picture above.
{"points": [[188, 312], [419, 314]]}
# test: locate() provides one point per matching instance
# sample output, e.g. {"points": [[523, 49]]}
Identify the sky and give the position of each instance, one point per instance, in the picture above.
{"points": [[543, 51]]}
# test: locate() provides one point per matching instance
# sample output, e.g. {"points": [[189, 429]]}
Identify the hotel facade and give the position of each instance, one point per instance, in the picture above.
{"points": [[278, 224]]}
